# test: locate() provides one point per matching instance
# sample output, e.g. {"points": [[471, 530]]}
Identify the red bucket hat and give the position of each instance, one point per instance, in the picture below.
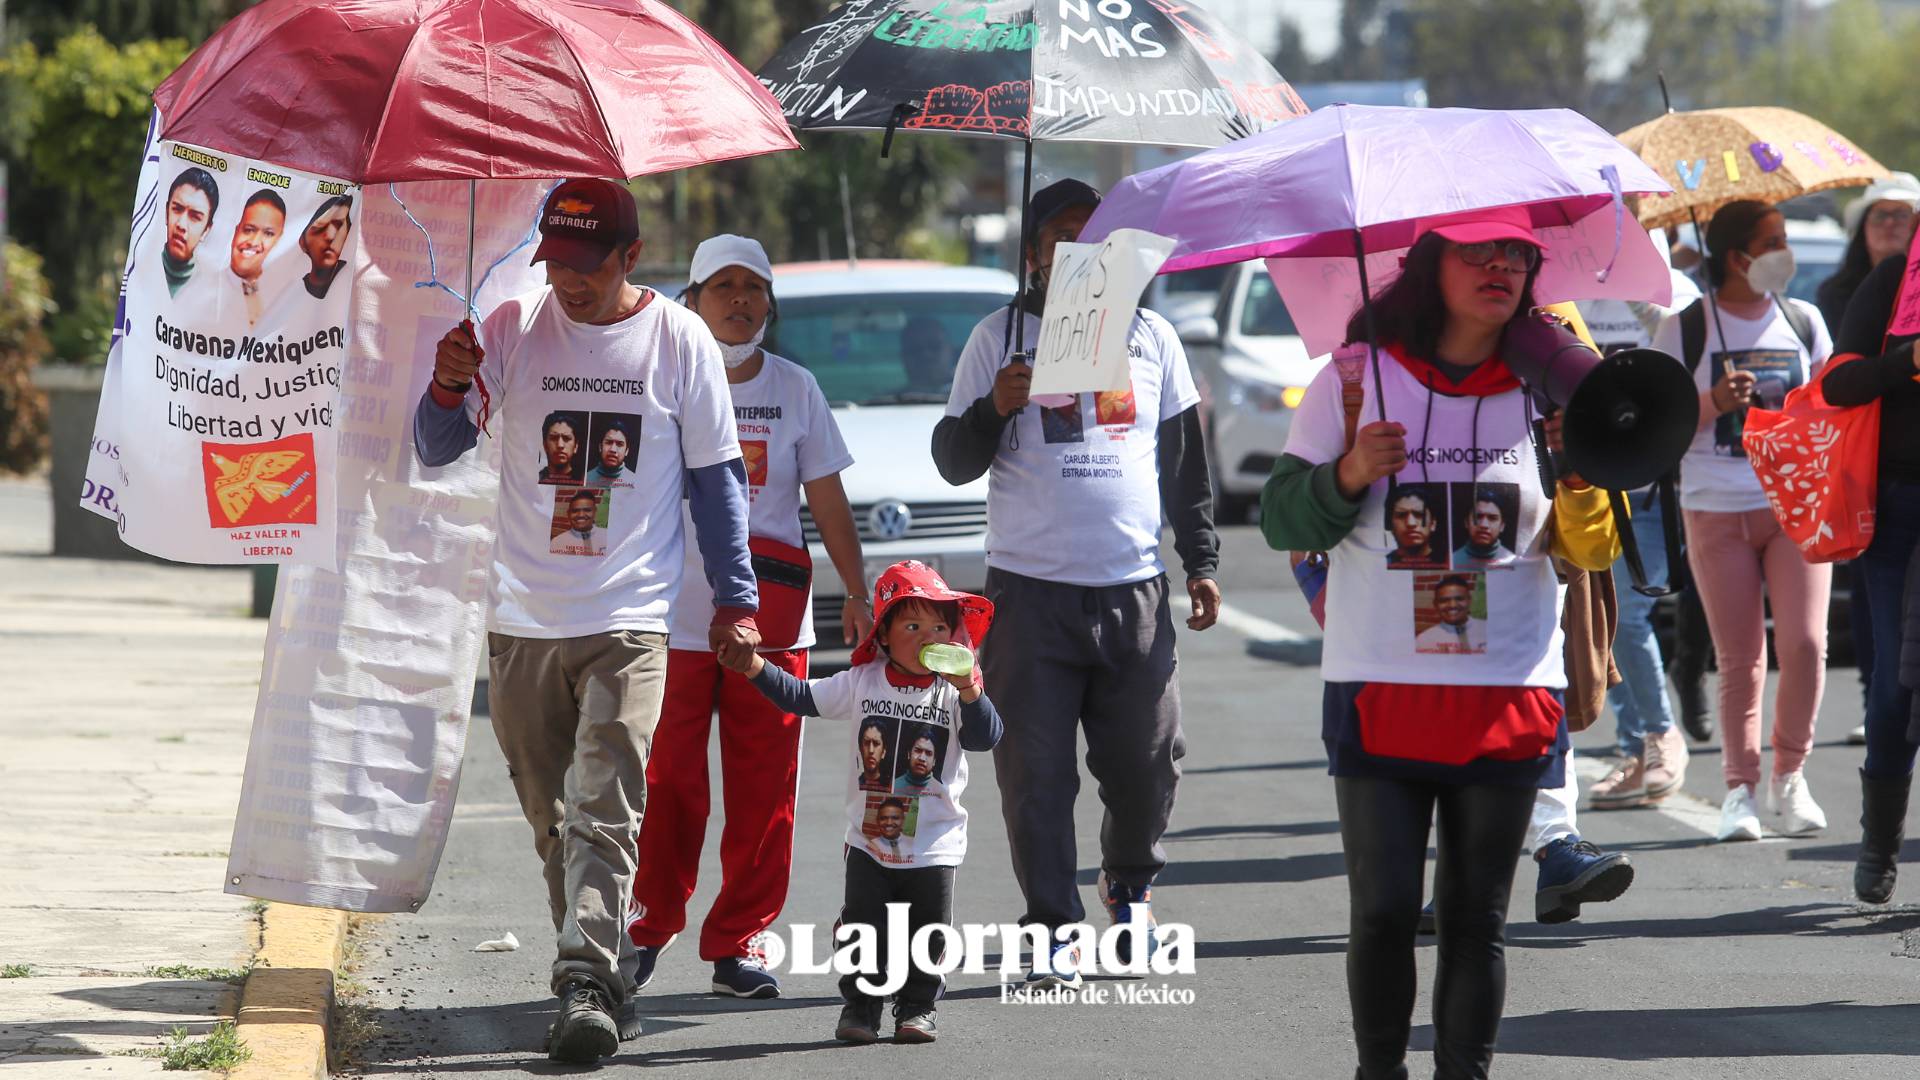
{"points": [[913, 580]]}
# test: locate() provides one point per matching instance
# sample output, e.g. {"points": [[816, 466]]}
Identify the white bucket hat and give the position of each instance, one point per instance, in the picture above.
{"points": [[1900, 187]]}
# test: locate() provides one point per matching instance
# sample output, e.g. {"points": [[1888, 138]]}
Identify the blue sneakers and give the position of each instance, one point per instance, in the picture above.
{"points": [[1065, 962], [644, 959], [1574, 872], [744, 977], [1120, 901]]}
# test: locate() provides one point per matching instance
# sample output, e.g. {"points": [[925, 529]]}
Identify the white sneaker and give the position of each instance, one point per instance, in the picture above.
{"points": [[1739, 818], [1792, 806]]}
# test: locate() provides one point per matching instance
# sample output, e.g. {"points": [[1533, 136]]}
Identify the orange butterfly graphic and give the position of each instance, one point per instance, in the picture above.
{"points": [[254, 474]]}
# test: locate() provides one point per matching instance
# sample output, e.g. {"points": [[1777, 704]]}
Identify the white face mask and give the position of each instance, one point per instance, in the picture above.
{"points": [[1772, 272], [735, 355]]}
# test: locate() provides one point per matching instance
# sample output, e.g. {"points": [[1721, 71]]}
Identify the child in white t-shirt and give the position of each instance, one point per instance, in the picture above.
{"points": [[903, 843]]}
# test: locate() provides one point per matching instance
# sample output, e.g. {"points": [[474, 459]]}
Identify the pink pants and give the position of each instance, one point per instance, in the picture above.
{"points": [[1732, 556]]}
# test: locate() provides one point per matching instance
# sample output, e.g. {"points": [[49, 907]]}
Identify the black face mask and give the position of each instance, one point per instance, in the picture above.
{"points": [[1036, 290]]}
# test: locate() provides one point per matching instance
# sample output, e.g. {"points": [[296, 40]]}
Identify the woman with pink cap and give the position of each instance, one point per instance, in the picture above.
{"points": [[1444, 684], [790, 447]]}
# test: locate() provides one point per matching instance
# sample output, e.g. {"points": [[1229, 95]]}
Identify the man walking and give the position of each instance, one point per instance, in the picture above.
{"points": [[578, 641], [1083, 634]]}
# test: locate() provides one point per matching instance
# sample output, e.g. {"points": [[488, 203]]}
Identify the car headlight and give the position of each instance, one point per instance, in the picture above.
{"points": [[1262, 396]]}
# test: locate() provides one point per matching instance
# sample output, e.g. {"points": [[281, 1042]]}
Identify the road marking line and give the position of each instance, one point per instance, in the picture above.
{"points": [[1684, 807], [1249, 625]]}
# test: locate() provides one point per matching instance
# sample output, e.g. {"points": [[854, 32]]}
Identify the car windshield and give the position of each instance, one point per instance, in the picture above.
{"points": [[1264, 315], [1813, 264], [1207, 279], [880, 348]]}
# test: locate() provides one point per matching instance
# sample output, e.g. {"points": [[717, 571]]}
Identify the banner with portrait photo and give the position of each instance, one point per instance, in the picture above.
{"points": [[224, 381]]}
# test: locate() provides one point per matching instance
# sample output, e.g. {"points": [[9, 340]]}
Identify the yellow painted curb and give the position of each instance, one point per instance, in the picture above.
{"points": [[288, 1000]]}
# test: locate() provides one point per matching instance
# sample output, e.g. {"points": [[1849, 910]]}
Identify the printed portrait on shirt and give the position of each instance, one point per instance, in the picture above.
{"points": [[889, 826], [1486, 526], [580, 521], [563, 447], [612, 440], [922, 756], [1417, 527], [1062, 423], [873, 753], [1114, 407], [1450, 614], [1775, 372]]}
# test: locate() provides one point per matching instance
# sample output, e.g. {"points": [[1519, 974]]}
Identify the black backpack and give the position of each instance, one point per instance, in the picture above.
{"points": [[1693, 329]]}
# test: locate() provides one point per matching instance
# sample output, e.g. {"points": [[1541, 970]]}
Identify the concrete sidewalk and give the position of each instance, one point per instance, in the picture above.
{"points": [[126, 694]]}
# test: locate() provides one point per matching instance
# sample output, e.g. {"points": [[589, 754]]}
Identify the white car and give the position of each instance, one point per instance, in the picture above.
{"points": [[1252, 369], [859, 331]]}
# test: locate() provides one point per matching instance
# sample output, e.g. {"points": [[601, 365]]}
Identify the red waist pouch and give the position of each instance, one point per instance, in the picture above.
{"points": [[785, 577], [1452, 725]]}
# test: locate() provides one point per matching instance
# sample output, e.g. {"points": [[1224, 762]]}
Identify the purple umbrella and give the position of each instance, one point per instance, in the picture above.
{"points": [[1351, 181]]}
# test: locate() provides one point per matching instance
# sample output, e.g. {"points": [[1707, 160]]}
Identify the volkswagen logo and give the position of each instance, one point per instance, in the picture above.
{"points": [[889, 520]]}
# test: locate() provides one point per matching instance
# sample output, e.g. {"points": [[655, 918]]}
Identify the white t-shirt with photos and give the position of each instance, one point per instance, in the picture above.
{"points": [[1714, 474], [1078, 500], [918, 820], [788, 437], [1464, 592], [558, 387]]}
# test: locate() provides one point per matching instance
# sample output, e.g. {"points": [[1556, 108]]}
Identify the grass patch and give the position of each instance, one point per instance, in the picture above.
{"points": [[354, 1024], [236, 976], [220, 1049], [16, 971], [171, 739], [210, 854], [256, 907], [93, 734]]}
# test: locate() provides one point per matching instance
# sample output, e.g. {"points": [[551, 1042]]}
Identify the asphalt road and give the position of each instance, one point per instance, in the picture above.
{"points": [[1745, 961]]}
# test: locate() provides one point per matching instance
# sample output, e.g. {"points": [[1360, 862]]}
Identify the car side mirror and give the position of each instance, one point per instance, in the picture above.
{"points": [[1199, 330]]}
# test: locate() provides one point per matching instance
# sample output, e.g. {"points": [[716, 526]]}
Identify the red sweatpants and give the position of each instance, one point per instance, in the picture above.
{"points": [[760, 771]]}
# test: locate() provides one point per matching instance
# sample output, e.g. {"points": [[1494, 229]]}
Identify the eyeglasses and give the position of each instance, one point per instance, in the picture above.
{"points": [[1891, 215], [1515, 253]]}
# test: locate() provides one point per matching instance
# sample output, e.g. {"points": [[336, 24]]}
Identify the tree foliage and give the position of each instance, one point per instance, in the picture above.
{"points": [[1853, 73], [76, 124], [791, 202], [24, 306]]}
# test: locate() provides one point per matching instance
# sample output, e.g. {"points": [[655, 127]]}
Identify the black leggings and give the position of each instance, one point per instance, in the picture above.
{"points": [[1383, 830]]}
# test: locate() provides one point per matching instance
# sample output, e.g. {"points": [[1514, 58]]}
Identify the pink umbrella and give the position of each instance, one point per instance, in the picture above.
{"points": [[1313, 194], [389, 90]]}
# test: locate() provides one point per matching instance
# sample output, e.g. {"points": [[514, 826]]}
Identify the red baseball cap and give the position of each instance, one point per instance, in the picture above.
{"points": [[1481, 226], [914, 580], [585, 221]]}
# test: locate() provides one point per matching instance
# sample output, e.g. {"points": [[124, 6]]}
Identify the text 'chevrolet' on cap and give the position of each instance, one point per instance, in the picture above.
{"points": [[584, 221]]}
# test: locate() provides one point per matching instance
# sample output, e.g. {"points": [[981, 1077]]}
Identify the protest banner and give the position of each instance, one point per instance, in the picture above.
{"points": [[1092, 293], [367, 685], [217, 413]]}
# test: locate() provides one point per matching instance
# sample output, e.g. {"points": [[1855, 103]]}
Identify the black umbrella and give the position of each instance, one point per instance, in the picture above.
{"points": [[1158, 72]]}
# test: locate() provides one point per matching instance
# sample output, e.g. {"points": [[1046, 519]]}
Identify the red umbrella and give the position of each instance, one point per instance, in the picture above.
{"points": [[389, 90]]}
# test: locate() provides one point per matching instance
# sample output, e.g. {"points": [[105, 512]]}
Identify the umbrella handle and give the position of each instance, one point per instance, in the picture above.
{"points": [[480, 384]]}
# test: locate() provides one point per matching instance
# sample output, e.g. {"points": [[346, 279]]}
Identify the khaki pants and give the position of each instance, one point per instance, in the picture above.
{"points": [[575, 719]]}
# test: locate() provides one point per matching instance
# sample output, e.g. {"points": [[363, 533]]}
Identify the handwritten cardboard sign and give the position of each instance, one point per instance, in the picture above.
{"points": [[1092, 292]]}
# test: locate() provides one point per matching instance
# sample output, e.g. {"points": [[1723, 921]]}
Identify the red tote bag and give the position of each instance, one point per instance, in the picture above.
{"points": [[1820, 466]]}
